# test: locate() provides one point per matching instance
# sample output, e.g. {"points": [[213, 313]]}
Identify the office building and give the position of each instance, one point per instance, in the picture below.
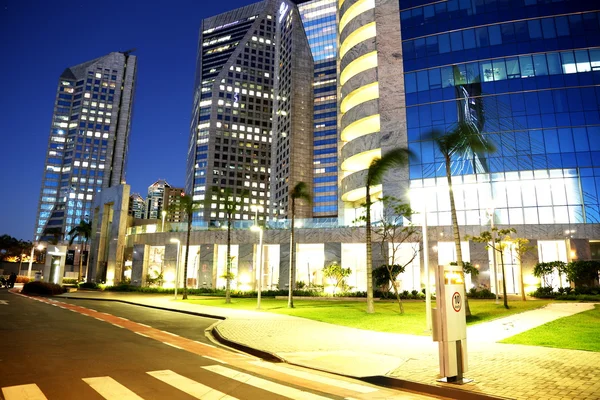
{"points": [[251, 111], [88, 141], [137, 206], [320, 24], [155, 199], [172, 204]]}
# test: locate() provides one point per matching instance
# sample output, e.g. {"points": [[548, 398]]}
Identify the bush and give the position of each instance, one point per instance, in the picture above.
{"points": [[68, 281], [44, 288], [544, 293], [480, 294], [88, 285], [22, 279]]}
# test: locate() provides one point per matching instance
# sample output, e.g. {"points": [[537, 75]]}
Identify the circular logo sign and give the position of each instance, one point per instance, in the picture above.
{"points": [[456, 302]]}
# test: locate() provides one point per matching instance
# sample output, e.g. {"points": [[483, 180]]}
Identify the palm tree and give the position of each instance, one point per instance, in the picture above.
{"points": [[299, 192], [188, 206], [464, 140], [83, 230], [231, 204], [56, 234], [395, 158]]}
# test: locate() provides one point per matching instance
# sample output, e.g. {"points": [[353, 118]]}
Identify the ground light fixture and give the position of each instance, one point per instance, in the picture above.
{"points": [[173, 240]]}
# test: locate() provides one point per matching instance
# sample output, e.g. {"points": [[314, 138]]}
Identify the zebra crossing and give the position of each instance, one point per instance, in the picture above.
{"points": [[111, 389]]}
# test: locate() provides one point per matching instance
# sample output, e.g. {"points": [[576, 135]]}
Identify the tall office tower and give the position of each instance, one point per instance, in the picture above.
{"points": [[233, 121], [155, 198], [172, 204], [89, 137], [137, 206], [319, 19]]}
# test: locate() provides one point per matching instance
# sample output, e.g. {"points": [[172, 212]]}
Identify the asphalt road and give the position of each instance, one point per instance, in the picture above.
{"points": [[75, 349]]}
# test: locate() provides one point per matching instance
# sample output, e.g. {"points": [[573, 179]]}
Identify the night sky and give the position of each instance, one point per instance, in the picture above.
{"points": [[40, 38]]}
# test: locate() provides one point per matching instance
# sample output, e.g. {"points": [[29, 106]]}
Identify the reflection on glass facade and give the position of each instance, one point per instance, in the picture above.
{"points": [[87, 147], [526, 74], [319, 19]]}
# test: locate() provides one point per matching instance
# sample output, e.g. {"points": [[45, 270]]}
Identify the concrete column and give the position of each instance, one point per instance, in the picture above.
{"points": [[207, 279], [170, 265], [284, 265], [480, 260], [246, 278], [139, 267], [54, 269]]}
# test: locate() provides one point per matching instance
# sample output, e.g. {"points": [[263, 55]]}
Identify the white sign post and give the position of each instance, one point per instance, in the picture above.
{"points": [[450, 325]]}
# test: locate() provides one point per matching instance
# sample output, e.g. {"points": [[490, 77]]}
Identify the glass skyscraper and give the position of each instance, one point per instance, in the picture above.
{"points": [[525, 74], [89, 137], [319, 20]]}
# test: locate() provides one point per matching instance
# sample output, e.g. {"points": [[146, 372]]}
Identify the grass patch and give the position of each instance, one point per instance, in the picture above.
{"points": [[577, 332], [386, 318]]}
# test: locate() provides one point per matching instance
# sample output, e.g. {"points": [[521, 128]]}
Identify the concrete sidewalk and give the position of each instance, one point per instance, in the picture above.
{"points": [[510, 371]]}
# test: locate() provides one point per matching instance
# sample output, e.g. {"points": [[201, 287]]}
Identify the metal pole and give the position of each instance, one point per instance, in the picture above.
{"points": [[177, 270], [30, 260], [426, 264], [494, 257], [260, 267]]}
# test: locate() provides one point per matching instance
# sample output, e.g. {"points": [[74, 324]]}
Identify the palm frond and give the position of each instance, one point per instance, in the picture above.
{"points": [[300, 191], [395, 158]]}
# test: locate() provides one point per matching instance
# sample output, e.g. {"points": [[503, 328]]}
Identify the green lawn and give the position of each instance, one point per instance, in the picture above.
{"points": [[385, 319], [577, 332]]}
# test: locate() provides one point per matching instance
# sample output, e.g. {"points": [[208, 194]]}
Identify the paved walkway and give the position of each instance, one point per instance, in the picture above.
{"points": [[502, 370]]}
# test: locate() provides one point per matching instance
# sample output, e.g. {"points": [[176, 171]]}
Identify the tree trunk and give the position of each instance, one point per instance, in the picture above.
{"points": [[523, 297], [80, 263], [370, 302], [400, 305], [503, 279], [87, 261], [228, 269], [455, 230], [185, 262], [292, 259]]}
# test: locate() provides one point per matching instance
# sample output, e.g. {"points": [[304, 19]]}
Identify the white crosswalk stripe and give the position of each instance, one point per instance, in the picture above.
{"points": [[110, 389], [263, 383], [23, 392], [190, 386], [317, 378]]}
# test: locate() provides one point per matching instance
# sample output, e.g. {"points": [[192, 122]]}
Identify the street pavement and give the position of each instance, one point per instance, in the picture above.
{"points": [[64, 349], [497, 370]]}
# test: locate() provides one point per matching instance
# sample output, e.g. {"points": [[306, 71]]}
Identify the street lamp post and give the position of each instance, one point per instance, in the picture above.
{"points": [[258, 229], [173, 240], [164, 214], [491, 215]]}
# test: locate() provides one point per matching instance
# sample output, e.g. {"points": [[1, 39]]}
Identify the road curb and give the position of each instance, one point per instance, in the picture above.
{"points": [[198, 314], [265, 355]]}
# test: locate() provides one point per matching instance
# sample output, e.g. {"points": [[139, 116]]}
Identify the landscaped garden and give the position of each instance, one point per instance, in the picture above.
{"points": [[385, 319]]}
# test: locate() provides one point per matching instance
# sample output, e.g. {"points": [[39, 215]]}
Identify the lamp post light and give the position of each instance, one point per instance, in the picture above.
{"points": [[259, 229], [490, 212], [173, 240], [164, 214]]}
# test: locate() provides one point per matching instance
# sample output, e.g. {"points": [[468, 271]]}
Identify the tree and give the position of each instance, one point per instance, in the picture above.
{"points": [[521, 247], [395, 158], [392, 232], [583, 273], [497, 240], [462, 139], [544, 270], [56, 234], [84, 231], [338, 274], [187, 206], [230, 203], [299, 192]]}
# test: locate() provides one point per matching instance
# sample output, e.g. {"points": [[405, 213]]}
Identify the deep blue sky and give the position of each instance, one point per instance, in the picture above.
{"points": [[40, 38]]}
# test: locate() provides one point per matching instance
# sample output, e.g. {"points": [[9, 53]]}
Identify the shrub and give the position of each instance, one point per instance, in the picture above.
{"points": [[481, 294], [88, 285], [544, 292], [22, 279], [44, 288], [67, 281]]}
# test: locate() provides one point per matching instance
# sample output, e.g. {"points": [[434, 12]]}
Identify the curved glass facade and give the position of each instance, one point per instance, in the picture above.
{"points": [[526, 75]]}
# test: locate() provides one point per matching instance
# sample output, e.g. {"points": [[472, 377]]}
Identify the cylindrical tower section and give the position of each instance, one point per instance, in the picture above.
{"points": [[358, 94]]}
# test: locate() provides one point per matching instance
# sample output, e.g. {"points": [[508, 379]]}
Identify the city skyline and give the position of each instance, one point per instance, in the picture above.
{"points": [[164, 40]]}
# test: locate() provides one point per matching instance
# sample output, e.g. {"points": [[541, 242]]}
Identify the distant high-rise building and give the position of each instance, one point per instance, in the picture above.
{"points": [[155, 198], [319, 19], [171, 203], [89, 137], [137, 206], [252, 109]]}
